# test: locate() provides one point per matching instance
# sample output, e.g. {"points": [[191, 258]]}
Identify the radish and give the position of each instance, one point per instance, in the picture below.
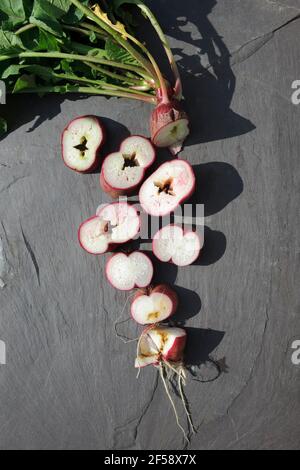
{"points": [[160, 344], [114, 224], [125, 272], [124, 170], [154, 305], [171, 184], [175, 245], [163, 347], [169, 125], [81, 142]]}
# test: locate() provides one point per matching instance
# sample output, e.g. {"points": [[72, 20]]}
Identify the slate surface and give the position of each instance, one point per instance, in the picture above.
{"points": [[69, 383]]}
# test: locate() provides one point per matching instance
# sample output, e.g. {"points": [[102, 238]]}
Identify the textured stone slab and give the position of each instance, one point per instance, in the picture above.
{"points": [[69, 382]]}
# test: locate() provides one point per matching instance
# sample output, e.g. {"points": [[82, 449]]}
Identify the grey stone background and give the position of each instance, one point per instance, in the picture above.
{"points": [[69, 383]]}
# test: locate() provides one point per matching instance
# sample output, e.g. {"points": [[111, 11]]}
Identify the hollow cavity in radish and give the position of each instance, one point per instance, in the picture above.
{"points": [[123, 171], [81, 142], [114, 224], [171, 184]]}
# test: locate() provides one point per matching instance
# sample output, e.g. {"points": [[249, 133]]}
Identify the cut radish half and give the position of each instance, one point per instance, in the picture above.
{"points": [[114, 224], [169, 125], [81, 142], [173, 244], [160, 344], [154, 306], [171, 184], [125, 272], [124, 170]]}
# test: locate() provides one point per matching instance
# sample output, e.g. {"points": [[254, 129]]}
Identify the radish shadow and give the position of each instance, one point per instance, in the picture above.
{"points": [[213, 249], [200, 361], [217, 184], [32, 109], [204, 63], [189, 305]]}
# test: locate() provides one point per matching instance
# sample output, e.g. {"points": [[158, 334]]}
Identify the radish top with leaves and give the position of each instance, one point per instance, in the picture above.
{"points": [[74, 46]]}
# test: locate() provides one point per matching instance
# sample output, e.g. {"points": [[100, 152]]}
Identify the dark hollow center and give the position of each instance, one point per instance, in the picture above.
{"points": [[165, 187], [130, 161], [82, 147]]}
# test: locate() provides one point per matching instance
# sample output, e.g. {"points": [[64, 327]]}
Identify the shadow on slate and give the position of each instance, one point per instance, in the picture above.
{"points": [[213, 249], [217, 185], [200, 345], [208, 90], [32, 107], [189, 305]]}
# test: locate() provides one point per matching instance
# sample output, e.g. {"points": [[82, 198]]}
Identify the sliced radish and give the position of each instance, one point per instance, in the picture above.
{"points": [[125, 272], [81, 142], [124, 170], [114, 224], [169, 125], [173, 244], [160, 344], [154, 306], [171, 184]]}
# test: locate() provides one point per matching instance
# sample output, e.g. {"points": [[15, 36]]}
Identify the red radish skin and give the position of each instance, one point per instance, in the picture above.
{"points": [[100, 141], [169, 125], [168, 187], [123, 220], [128, 271], [113, 193], [161, 344], [116, 179], [183, 252], [175, 354], [158, 304]]}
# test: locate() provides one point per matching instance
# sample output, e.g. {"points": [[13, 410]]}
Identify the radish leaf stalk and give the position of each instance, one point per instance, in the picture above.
{"points": [[64, 46]]}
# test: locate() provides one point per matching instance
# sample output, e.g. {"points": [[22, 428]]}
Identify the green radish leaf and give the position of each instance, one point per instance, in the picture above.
{"points": [[83, 49], [47, 42], [43, 72], [74, 15], [3, 126], [14, 11], [10, 43], [93, 37], [47, 13], [125, 13], [118, 54], [24, 82]]}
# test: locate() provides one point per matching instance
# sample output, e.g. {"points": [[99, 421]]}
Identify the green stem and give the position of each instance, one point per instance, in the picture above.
{"points": [[83, 58], [75, 78], [92, 91], [116, 76], [165, 43], [84, 32], [25, 28], [117, 36]]}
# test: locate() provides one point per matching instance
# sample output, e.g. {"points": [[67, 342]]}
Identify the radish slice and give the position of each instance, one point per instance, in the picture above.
{"points": [[171, 184], [123, 171], [173, 244], [153, 307], [81, 142], [125, 272], [114, 223]]}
